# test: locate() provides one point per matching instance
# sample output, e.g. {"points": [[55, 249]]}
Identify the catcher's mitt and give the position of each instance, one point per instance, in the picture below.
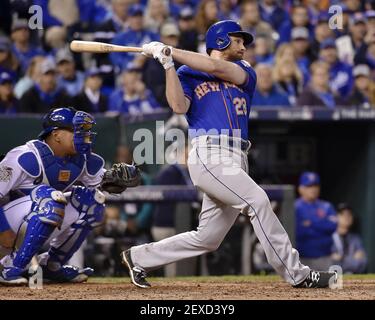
{"points": [[120, 177]]}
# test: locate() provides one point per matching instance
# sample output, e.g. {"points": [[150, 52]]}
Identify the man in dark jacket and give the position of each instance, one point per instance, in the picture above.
{"points": [[90, 99], [44, 95]]}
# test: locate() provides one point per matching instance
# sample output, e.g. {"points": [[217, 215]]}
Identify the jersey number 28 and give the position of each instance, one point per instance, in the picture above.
{"points": [[240, 105]]}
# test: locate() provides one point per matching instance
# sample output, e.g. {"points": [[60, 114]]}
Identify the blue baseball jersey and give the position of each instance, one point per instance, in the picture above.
{"points": [[215, 104]]}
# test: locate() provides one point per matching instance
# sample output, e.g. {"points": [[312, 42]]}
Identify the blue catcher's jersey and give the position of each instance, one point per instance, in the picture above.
{"points": [[217, 105]]}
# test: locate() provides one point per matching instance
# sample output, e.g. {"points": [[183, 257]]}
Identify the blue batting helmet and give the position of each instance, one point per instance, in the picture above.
{"points": [[79, 122], [217, 36]]}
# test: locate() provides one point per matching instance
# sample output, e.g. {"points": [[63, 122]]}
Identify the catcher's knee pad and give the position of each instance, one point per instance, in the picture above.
{"points": [[47, 213], [90, 202], [48, 205], [90, 205]]}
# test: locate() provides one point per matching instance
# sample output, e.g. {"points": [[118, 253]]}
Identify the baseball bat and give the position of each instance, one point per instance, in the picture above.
{"points": [[101, 47]]}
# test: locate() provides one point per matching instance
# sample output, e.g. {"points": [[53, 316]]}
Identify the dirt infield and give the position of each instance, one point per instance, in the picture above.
{"points": [[211, 288]]}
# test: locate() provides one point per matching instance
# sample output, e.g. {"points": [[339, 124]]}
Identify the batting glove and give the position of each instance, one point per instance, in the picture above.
{"points": [[149, 49], [164, 55]]}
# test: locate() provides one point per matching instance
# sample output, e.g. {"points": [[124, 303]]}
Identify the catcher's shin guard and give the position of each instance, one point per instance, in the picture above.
{"points": [[47, 213], [90, 205]]}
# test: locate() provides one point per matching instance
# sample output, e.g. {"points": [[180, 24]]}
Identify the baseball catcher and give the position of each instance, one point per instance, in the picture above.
{"points": [[35, 212]]}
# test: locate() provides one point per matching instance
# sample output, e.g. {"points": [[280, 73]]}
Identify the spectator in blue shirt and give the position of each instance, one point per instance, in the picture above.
{"points": [[135, 36], [348, 251], [69, 78], [266, 93], [264, 48], [272, 13], [318, 93], [299, 19], [316, 222], [22, 47], [133, 98], [301, 46], [8, 102], [341, 77]]}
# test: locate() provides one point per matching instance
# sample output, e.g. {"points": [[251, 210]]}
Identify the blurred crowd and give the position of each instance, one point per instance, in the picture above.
{"points": [[303, 53]]}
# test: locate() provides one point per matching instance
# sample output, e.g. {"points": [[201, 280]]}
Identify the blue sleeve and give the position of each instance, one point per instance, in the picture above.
{"points": [[183, 74], [303, 231], [250, 83], [329, 224]]}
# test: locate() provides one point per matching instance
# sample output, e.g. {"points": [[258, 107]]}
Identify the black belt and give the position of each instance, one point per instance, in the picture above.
{"points": [[229, 142]]}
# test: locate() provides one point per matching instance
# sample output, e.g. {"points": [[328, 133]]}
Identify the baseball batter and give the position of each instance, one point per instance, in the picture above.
{"points": [[215, 93]]}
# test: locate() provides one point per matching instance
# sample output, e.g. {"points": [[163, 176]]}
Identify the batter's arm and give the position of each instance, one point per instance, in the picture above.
{"points": [[174, 92], [222, 69]]}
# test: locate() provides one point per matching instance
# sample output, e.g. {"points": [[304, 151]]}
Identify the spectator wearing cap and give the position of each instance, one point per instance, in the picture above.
{"points": [[316, 222], [207, 14], [133, 98], [358, 30], [8, 61], [153, 73], [22, 48], [45, 94], [266, 92], [189, 35], [341, 77], [347, 250], [363, 94], [156, 13], [8, 102], [250, 20], [286, 73], [136, 36], [69, 78], [317, 93], [322, 32], [272, 13], [299, 19], [90, 99], [302, 51]]}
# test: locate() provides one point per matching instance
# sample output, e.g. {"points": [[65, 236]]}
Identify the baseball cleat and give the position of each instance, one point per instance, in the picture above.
{"points": [[318, 279], [137, 274], [12, 277], [66, 273]]}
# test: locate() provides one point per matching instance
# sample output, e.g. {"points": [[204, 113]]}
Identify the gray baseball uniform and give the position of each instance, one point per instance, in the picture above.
{"points": [[218, 166]]}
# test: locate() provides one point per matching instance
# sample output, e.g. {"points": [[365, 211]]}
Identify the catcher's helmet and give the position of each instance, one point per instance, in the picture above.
{"points": [[217, 36], [79, 122]]}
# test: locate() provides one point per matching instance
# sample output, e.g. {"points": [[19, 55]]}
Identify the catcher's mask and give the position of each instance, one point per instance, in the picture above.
{"points": [[79, 122]]}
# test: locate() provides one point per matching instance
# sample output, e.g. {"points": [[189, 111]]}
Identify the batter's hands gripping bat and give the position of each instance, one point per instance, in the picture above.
{"points": [[101, 47]]}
